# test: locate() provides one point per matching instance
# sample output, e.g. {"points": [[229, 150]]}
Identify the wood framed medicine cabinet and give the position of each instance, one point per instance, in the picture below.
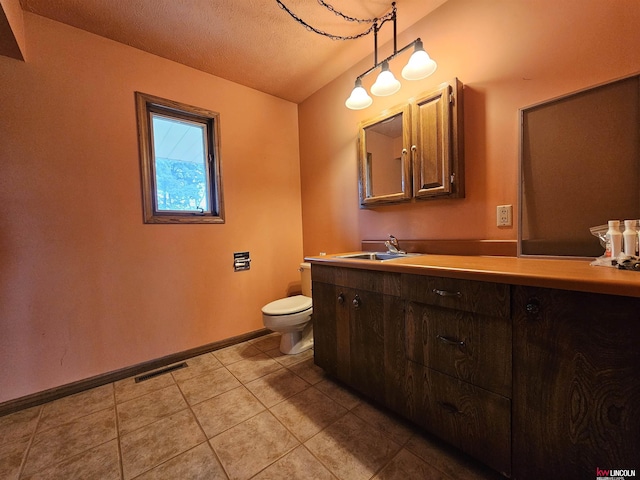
{"points": [[414, 151]]}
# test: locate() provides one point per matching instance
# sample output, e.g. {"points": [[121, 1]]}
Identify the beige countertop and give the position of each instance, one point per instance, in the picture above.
{"points": [[549, 273]]}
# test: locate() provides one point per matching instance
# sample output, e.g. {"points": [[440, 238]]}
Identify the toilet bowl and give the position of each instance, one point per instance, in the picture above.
{"points": [[291, 317]]}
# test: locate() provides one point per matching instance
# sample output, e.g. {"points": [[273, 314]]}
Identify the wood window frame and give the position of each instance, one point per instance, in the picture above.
{"points": [[146, 105]]}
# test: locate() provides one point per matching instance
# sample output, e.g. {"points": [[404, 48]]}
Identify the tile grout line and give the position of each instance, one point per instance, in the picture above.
{"points": [[118, 437], [327, 467], [188, 407], [267, 409], [138, 397], [25, 455], [78, 454], [301, 443], [372, 425], [206, 437]]}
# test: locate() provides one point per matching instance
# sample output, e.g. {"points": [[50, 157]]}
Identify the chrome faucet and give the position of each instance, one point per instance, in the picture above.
{"points": [[392, 245]]}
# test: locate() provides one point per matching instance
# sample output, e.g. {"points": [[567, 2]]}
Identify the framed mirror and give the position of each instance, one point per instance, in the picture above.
{"points": [[579, 167], [383, 155]]}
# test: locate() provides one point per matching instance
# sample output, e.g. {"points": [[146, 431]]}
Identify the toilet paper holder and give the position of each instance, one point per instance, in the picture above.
{"points": [[241, 261]]}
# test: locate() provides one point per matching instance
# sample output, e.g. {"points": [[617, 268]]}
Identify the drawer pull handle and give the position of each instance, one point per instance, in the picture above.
{"points": [[447, 293], [450, 341], [449, 407]]}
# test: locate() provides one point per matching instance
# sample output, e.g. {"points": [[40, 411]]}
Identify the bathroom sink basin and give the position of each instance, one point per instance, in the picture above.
{"points": [[381, 256]]}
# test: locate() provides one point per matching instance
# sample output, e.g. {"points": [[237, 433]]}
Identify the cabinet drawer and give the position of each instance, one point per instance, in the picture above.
{"points": [[470, 418], [467, 295], [469, 346], [369, 280]]}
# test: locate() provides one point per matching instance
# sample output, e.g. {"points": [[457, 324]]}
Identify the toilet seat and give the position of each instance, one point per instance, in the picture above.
{"points": [[288, 306]]}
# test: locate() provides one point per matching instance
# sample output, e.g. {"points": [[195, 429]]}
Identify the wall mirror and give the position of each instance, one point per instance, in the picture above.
{"points": [[383, 157], [579, 167]]}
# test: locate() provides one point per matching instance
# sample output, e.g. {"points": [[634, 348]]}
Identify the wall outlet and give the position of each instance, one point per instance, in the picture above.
{"points": [[504, 215]]}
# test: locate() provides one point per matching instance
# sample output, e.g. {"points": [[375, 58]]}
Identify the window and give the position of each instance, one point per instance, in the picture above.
{"points": [[179, 161]]}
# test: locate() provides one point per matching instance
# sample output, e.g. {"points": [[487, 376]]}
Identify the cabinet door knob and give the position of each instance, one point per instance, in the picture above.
{"points": [[357, 302], [341, 298], [446, 293], [533, 307]]}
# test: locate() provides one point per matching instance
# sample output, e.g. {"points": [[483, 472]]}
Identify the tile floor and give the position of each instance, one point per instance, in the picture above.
{"points": [[243, 412]]}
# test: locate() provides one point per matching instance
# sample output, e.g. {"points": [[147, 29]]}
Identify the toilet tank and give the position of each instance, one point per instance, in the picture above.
{"points": [[305, 276]]}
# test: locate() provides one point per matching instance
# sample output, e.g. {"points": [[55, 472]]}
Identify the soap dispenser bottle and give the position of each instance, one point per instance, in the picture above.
{"points": [[614, 239], [630, 237]]}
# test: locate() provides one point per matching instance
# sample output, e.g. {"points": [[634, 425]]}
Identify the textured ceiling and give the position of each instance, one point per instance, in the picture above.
{"points": [[250, 42]]}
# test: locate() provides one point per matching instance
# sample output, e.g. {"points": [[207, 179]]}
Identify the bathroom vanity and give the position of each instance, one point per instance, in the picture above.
{"points": [[531, 366]]}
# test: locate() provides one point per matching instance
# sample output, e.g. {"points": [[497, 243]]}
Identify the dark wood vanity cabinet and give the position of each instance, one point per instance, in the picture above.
{"points": [[576, 383], [435, 350], [531, 381], [355, 311]]}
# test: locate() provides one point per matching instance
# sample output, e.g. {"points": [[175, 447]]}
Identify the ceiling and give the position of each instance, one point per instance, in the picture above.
{"points": [[251, 42]]}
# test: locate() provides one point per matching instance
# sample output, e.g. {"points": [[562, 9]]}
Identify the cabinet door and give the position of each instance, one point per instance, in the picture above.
{"points": [[437, 146], [367, 342], [350, 342], [576, 385], [331, 330]]}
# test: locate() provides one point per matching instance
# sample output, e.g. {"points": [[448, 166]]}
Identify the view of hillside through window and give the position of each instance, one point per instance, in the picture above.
{"points": [[180, 161]]}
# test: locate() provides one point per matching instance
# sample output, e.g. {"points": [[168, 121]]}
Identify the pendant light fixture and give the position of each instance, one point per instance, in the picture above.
{"points": [[420, 65], [386, 84], [359, 98]]}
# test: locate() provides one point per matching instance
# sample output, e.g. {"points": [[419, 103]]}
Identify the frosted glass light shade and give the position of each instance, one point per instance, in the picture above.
{"points": [[359, 97], [386, 84], [420, 65]]}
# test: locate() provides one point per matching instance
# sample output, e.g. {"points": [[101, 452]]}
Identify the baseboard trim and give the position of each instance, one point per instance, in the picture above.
{"points": [[45, 396]]}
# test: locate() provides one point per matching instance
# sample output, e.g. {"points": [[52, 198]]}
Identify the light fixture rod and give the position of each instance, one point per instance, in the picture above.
{"points": [[375, 43], [394, 54], [376, 29], [395, 41]]}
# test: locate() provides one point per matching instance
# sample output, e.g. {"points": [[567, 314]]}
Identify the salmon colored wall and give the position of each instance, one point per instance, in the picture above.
{"points": [[85, 286], [12, 41], [509, 54]]}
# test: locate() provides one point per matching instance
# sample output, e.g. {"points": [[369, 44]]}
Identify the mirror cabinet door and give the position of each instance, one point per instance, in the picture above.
{"points": [[383, 155], [437, 150]]}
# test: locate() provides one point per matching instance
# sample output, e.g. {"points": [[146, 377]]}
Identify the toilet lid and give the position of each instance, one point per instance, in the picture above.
{"points": [[287, 306]]}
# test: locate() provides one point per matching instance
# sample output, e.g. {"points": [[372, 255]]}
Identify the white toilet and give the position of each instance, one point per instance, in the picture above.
{"points": [[291, 316]]}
